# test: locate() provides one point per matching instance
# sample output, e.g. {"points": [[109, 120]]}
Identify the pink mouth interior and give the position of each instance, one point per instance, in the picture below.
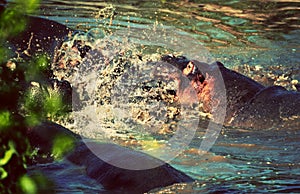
{"points": [[204, 91]]}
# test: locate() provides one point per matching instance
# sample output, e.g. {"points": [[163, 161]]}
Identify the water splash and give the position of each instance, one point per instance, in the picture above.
{"points": [[122, 91]]}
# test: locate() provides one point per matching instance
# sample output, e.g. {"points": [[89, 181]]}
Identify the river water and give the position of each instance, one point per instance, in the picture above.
{"points": [[242, 34]]}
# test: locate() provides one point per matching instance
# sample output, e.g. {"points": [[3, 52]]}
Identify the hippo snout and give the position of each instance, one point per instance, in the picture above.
{"points": [[180, 61]]}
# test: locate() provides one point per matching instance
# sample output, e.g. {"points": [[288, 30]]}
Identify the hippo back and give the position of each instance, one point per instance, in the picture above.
{"points": [[40, 36], [271, 107], [102, 168]]}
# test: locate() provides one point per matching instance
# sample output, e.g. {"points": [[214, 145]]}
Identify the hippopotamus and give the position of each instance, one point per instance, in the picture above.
{"points": [[111, 177], [249, 104], [40, 36], [44, 36]]}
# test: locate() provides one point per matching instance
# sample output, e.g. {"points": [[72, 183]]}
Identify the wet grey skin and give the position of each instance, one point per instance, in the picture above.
{"points": [[46, 36], [40, 36], [249, 104], [113, 179]]}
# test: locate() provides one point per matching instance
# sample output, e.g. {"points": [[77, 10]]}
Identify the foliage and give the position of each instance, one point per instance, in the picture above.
{"points": [[14, 151], [26, 100], [62, 144], [5, 121], [12, 19], [36, 183], [28, 185]]}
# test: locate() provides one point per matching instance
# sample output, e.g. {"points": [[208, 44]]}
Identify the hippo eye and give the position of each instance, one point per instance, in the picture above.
{"points": [[190, 66], [189, 69]]}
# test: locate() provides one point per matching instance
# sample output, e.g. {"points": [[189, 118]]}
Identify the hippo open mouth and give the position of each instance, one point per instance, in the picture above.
{"points": [[200, 81]]}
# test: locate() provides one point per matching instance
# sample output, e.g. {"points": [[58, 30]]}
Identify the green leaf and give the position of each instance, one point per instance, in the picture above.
{"points": [[33, 120], [3, 173], [42, 61], [5, 54], [28, 185], [53, 103], [62, 144], [25, 6], [12, 22], [33, 101], [37, 68], [32, 6], [5, 120], [8, 154]]}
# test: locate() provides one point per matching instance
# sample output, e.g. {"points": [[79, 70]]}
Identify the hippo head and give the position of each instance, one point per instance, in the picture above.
{"points": [[188, 67], [200, 75]]}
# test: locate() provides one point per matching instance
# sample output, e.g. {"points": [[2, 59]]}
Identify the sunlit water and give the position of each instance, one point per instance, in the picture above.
{"points": [[256, 33]]}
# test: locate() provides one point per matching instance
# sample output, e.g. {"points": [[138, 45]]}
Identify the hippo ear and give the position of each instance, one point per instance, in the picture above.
{"points": [[180, 61], [167, 58], [219, 64]]}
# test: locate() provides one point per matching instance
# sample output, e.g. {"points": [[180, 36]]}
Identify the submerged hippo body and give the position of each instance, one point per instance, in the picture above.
{"points": [[40, 36], [271, 107], [113, 178], [248, 103]]}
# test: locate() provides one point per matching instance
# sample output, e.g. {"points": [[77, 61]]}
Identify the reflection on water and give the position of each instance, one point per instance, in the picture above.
{"points": [[220, 23], [231, 28], [247, 161], [236, 32]]}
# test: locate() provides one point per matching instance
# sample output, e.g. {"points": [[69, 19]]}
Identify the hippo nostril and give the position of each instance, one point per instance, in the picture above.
{"points": [[201, 78]]}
